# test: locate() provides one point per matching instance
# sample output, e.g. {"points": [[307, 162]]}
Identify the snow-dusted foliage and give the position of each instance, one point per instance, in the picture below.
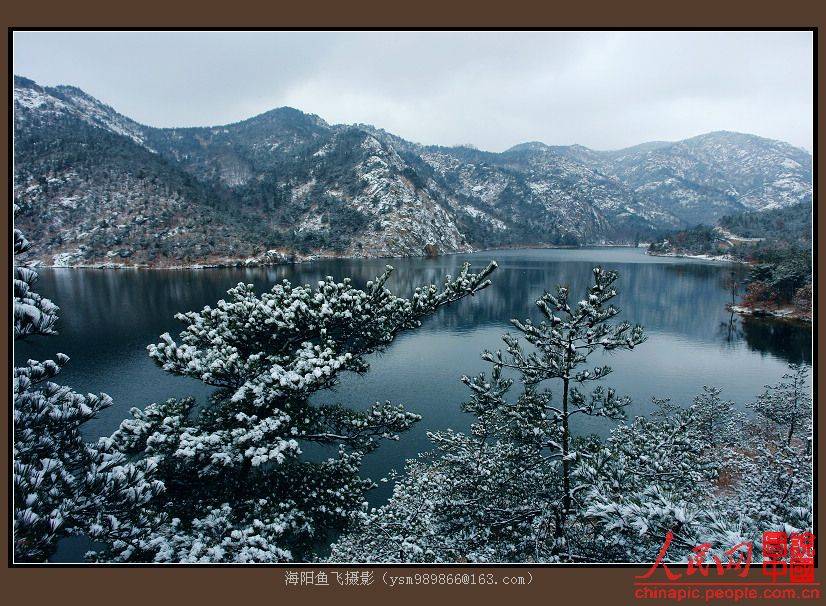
{"points": [[237, 485], [508, 492], [62, 485], [778, 466], [32, 313], [722, 487], [520, 488], [651, 476]]}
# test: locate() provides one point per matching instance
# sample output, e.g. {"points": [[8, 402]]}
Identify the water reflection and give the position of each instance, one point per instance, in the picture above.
{"points": [[731, 331], [788, 340]]}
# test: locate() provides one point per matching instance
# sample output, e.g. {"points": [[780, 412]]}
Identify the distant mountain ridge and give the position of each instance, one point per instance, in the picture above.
{"points": [[96, 187]]}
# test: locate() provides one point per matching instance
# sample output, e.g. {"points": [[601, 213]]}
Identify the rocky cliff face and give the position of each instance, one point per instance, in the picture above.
{"points": [[96, 187]]}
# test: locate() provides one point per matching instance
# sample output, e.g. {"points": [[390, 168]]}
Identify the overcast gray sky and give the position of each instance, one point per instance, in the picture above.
{"points": [[605, 90]]}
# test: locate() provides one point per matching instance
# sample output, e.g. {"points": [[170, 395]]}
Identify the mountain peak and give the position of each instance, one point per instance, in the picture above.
{"points": [[726, 135], [23, 82], [64, 100], [737, 141], [289, 116], [528, 146], [73, 91]]}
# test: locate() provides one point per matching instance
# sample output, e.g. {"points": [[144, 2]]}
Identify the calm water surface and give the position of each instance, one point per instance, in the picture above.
{"points": [[108, 317]]}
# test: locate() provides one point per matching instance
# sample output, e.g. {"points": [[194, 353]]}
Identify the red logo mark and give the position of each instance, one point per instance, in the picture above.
{"points": [[792, 555]]}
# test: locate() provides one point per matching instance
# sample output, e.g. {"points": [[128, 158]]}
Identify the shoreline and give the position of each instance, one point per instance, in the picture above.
{"points": [[718, 258], [255, 263], [788, 314]]}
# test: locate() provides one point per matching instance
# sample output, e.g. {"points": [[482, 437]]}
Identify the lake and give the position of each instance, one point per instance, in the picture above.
{"points": [[108, 317]]}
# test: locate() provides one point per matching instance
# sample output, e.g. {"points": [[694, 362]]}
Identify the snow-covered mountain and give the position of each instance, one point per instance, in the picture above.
{"points": [[95, 186], [702, 178]]}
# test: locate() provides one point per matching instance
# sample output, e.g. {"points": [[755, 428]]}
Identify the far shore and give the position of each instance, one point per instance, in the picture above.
{"points": [[721, 258], [787, 312], [288, 259]]}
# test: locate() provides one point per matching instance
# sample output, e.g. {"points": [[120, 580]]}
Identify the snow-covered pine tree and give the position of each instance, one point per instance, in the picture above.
{"points": [[786, 407], [237, 485], [777, 462], [716, 418], [562, 343], [506, 492], [63, 486]]}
